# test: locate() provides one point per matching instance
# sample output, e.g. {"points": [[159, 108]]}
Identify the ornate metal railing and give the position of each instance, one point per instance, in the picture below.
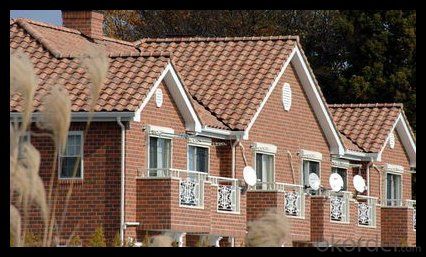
{"points": [[191, 184], [294, 200], [339, 206], [228, 193], [412, 204], [367, 210], [294, 197]]}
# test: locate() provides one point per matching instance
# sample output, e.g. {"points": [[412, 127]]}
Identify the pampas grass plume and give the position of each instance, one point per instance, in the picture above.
{"points": [[56, 115], [96, 63], [271, 230]]}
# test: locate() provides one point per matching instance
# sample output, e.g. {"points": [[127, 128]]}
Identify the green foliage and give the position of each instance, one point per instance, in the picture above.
{"points": [[98, 238], [357, 56], [116, 242], [75, 241], [32, 240]]}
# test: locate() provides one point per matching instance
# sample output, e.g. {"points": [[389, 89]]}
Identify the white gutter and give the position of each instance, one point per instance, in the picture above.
{"points": [[123, 135], [84, 116], [220, 133]]}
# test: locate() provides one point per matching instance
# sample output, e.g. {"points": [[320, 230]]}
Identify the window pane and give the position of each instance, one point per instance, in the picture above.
{"points": [[202, 159], [389, 186], [265, 167], [152, 152], [306, 173], [159, 153], [69, 167], [259, 167], [191, 157], [166, 152]]}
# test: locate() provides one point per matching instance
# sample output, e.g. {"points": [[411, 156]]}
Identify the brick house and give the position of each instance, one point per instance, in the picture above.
{"points": [[179, 118]]}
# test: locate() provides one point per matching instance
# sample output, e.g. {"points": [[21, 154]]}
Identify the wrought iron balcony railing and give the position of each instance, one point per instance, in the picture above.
{"points": [[191, 184], [191, 188], [339, 206], [228, 193], [367, 210], [412, 204]]}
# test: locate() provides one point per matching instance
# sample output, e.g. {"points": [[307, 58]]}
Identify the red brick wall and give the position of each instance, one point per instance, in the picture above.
{"points": [[397, 227], [290, 131], [95, 200], [398, 156]]}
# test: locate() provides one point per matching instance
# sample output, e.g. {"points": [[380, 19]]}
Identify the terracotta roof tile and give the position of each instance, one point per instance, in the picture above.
{"points": [[229, 77], [365, 127], [124, 89], [65, 42]]}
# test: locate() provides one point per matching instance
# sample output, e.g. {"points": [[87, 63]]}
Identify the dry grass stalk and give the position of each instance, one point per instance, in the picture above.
{"points": [[15, 225], [271, 230], [56, 115], [24, 82], [96, 63], [161, 241]]}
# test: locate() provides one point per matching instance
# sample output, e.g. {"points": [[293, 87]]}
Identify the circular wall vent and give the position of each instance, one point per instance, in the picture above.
{"points": [[159, 97], [392, 140], [287, 96]]}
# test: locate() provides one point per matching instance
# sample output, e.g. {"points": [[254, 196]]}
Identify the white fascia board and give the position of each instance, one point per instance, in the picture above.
{"points": [[179, 95], [149, 95], [271, 89], [83, 116], [181, 98], [360, 156], [389, 134], [220, 133], [319, 106], [404, 133]]}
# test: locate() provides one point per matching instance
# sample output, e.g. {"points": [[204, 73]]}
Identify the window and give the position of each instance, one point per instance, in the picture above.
{"points": [[308, 168], [264, 170], [343, 173], [159, 155], [23, 139], [393, 190], [71, 161], [198, 158]]}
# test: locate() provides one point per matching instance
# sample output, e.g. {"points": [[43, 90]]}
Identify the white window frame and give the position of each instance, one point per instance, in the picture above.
{"points": [[255, 152], [301, 170], [202, 146], [386, 188], [346, 180], [149, 145], [70, 133]]}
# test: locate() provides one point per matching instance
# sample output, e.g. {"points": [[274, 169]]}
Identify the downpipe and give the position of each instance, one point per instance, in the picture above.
{"points": [[123, 137]]}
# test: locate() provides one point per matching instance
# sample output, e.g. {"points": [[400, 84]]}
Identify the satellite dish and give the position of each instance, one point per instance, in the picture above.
{"points": [[249, 176], [359, 183], [336, 182], [314, 181]]}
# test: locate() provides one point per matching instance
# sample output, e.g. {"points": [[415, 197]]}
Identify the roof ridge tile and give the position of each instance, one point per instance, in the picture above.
{"points": [[215, 39], [366, 105]]}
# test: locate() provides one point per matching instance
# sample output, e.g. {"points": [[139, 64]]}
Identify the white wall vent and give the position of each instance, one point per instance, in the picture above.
{"points": [[287, 96]]}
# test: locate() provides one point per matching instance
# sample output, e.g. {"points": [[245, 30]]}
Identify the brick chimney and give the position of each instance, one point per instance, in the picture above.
{"points": [[87, 22]]}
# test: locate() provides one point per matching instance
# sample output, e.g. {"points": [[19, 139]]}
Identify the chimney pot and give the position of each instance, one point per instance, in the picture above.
{"points": [[88, 22]]}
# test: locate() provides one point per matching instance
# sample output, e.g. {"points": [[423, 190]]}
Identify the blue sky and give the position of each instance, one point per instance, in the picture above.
{"points": [[48, 16]]}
